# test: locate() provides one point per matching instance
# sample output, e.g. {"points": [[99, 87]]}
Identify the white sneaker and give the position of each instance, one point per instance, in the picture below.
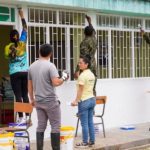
{"points": [[19, 119], [23, 120], [22, 123]]}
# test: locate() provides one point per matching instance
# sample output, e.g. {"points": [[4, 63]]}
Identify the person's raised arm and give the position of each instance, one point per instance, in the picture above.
{"points": [[88, 18], [24, 24]]}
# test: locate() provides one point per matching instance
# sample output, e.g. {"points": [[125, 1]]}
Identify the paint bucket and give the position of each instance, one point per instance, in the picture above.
{"points": [[67, 137], [7, 141]]}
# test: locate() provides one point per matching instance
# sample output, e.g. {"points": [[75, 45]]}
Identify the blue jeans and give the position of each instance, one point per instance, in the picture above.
{"points": [[85, 113]]}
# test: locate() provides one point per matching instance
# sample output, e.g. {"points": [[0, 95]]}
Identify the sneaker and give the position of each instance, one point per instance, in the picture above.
{"points": [[22, 123], [82, 145], [19, 119], [24, 120]]}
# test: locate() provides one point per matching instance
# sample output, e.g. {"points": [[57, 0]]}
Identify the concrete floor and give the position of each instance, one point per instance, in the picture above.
{"points": [[116, 139]]}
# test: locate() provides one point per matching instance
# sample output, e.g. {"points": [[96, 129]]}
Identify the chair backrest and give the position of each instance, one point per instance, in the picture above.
{"points": [[23, 107], [101, 99]]}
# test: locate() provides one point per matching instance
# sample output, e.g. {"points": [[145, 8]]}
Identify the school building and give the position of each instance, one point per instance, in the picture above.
{"points": [[123, 57]]}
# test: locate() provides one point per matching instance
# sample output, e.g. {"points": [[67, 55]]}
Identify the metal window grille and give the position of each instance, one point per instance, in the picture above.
{"points": [[121, 54], [71, 18], [36, 37], [147, 24], [102, 53], [131, 23], [38, 15], [57, 38], [76, 36], [64, 30], [122, 43], [108, 21], [64, 37], [58, 41], [142, 56]]}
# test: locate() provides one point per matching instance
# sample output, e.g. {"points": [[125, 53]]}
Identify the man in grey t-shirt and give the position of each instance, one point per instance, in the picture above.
{"points": [[42, 79]]}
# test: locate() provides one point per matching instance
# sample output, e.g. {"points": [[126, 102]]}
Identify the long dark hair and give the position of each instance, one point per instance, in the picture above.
{"points": [[12, 34], [86, 59]]}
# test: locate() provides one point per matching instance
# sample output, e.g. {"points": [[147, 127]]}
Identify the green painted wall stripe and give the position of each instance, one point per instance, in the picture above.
{"points": [[125, 13], [129, 6]]}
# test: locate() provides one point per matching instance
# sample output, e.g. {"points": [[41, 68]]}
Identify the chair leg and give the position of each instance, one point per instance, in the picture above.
{"points": [[28, 139], [77, 128], [103, 127]]}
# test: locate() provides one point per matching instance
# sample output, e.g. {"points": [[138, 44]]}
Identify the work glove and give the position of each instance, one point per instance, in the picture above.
{"points": [[65, 75]]}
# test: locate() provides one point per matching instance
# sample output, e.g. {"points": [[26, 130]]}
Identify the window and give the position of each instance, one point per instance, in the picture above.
{"points": [[36, 37], [76, 36], [142, 56], [7, 14], [58, 41], [42, 16], [108, 21], [71, 18], [147, 24], [65, 36], [102, 53], [131, 23], [129, 54], [121, 54]]}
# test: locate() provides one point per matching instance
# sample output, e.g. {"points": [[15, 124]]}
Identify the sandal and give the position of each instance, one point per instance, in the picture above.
{"points": [[82, 145]]}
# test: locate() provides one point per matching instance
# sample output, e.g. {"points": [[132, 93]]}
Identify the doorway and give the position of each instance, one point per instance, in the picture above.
{"points": [[6, 94], [4, 40]]}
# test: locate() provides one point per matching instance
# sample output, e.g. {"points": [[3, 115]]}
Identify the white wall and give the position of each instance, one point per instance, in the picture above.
{"points": [[128, 103]]}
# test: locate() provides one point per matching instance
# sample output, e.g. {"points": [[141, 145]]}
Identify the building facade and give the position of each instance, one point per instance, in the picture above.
{"points": [[123, 57]]}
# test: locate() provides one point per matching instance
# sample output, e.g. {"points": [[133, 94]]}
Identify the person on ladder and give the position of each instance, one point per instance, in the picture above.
{"points": [[16, 53]]}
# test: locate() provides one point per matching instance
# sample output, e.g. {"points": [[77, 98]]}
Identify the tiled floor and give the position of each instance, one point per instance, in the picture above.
{"points": [[116, 139]]}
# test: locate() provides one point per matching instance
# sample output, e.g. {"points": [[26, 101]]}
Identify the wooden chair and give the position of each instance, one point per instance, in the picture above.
{"points": [[23, 108], [100, 100]]}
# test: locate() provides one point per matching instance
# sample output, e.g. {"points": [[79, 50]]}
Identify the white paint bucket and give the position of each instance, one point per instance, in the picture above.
{"points": [[6, 141], [67, 137]]}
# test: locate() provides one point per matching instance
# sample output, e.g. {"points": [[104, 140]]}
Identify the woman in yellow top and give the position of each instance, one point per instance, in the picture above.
{"points": [[86, 102]]}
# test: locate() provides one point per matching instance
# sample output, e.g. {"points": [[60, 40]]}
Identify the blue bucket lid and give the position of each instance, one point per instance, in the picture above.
{"points": [[17, 124], [19, 134]]}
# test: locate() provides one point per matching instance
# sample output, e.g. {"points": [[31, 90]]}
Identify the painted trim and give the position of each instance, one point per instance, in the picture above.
{"points": [[121, 7]]}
